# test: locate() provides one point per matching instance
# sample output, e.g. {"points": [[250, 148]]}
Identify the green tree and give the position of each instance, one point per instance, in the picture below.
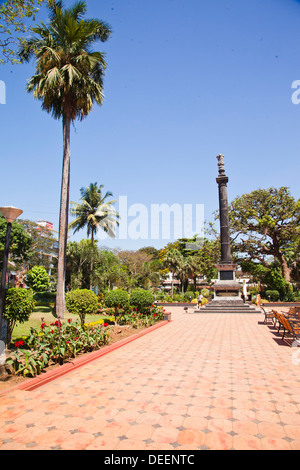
{"points": [[19, 304], [81, 302], [172, 261], [38, 279], [265, 226], [20, 244], [94, 212], [68, 81], [79, 258], [14, 16]]}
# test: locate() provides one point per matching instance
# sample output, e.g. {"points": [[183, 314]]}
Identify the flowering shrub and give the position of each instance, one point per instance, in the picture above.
{"points": [[141, 299], [56, 344], [142, 319]]}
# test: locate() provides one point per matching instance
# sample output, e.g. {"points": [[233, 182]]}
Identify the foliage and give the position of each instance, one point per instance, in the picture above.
{"points": [[44, 298], [141, 299], [272, 294], [19, 304], [269, 276], [14, 15], [205, 293], [43, 251], [117, 299], [142, 319], [264, 225], [38, 279], [81, 302], [94, 212], [69, 81], [56, 343], [20, 247], [60, 342]]}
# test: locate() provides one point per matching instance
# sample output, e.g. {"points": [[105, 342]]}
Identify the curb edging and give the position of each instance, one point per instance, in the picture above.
{"points": [[79, 362]]}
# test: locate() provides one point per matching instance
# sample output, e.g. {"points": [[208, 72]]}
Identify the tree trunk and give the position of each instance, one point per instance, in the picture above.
{"points": [[92, 263], [60, 306], [285, 270]]}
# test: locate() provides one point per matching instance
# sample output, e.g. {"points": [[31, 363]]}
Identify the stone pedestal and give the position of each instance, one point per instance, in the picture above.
{"points": [[227, 290]]}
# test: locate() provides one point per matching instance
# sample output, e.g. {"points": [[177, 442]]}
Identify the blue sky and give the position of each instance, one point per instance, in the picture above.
{"points": [[186, 80]]}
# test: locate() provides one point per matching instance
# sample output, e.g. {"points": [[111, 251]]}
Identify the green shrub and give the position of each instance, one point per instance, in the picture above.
{"points": [[81, 302], [188, 296], [19, 304], [141, 299], [272, 294], [205, 293], [38, 279], [117, 299], [45, 298]]}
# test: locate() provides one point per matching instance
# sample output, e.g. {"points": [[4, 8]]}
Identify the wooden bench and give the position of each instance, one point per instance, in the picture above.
{"points": [[291, 327], [268, 315]]}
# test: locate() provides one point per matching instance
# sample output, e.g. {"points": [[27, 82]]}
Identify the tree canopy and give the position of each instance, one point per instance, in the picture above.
{"points": [[265, 225]]}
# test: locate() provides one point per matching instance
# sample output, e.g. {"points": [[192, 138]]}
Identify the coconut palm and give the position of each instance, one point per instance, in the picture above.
{"points": [[68, 81], [94, 212]]}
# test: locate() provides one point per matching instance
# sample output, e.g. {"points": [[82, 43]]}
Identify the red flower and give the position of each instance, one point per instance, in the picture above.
{"points": [[43, 325], [18, 344], [154, 314], [105, 324], [69, 320]]}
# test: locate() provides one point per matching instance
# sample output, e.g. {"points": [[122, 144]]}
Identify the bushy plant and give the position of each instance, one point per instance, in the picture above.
{"points": [[141, 299], [45, 298], [38, 279], [82, 302], [19, 304], [188, 296], [205, 292], [272, 294], [117, 299]]}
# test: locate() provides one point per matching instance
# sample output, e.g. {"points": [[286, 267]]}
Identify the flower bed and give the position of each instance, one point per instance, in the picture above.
{"points": [[61, 342]]}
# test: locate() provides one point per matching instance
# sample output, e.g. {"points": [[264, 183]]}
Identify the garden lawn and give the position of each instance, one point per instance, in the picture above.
{"points": [[45, 313]]}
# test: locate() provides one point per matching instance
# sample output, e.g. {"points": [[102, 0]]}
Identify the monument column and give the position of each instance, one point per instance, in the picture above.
{"points": [[226, 289], [222, 181]]}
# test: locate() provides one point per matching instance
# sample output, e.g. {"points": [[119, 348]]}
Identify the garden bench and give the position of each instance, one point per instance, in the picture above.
{"points": [[268, 315], [291, 327]]}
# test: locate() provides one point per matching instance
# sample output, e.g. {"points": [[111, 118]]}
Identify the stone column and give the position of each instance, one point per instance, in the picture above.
{"points": [[222, 181]]}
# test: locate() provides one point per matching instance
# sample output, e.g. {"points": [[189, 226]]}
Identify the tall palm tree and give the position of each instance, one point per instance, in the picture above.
{"points": [[68, 81], [94, 212]]}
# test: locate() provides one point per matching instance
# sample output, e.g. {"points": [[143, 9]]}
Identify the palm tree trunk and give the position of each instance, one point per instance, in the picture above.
{"points": [[60, 306], [92, 263]]}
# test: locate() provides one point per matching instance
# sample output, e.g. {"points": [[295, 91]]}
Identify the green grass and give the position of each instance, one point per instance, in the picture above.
{"points": [[45, 313]]}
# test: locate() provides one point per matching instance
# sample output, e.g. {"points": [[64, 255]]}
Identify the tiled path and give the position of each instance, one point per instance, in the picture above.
{"points": [[200, 382]]}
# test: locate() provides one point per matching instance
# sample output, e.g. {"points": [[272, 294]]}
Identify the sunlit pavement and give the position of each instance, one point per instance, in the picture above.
{"points": [[200, 382]]}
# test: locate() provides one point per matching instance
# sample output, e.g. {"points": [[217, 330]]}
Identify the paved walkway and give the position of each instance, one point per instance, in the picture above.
{"points": [[200, 382]]}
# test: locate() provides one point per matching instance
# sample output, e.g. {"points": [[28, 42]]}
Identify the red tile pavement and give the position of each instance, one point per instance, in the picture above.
{"points": [[216, 381]]}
